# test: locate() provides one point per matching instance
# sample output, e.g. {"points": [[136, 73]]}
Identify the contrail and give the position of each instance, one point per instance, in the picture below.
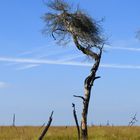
{"points": [[123, 48], [36, 62], [119, 66], [28, 66]]}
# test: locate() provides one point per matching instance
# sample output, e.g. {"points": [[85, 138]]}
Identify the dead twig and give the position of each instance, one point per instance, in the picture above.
{"points": [[79, 97]]}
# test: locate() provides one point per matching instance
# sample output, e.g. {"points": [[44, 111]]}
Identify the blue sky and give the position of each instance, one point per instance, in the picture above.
{"points": [[38, 76]]}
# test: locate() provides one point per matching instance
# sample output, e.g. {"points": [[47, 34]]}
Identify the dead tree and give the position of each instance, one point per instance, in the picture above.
{"points": [[107, 124], [133, 120], [76, 120], [46, 128], [65, 24], [14, 120]]}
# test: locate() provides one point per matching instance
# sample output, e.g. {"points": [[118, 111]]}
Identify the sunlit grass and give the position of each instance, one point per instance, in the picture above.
{"points": [[69, 133]]}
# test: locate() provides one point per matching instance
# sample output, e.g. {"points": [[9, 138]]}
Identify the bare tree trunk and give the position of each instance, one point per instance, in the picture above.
{"points": [[87, 87], [46, 128], [76, 120], [14, 120], [88, 84]]}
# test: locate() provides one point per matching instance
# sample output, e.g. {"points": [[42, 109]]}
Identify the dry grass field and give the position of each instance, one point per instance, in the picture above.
{"points": [[69, 133]]}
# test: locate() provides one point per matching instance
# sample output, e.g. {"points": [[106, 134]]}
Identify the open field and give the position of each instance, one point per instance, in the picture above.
{"points": [[69, 133]]}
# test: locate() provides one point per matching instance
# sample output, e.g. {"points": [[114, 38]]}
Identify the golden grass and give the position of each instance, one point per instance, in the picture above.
{"points": [[69, 133]]}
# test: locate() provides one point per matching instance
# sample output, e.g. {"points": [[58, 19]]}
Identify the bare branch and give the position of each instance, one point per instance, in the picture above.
{"points": [[97, 77], [55, 32], [58, 5], [79, 97], [86, 51], [133, 121], [42, 126], [78, 23], [76, 120], [46, 128]]}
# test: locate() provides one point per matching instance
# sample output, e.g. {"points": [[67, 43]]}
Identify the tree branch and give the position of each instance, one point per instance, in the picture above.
{"points": [[79, 97], [97, 77], [46, 128], [76, 120], [55, 31], [86, 51]]}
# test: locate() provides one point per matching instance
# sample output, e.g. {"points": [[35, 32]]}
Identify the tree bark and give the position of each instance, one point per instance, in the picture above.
{"points": [[87, 87], [88, 84]]}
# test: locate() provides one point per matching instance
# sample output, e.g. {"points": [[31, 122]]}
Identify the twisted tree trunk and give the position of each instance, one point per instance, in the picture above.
{"points": [[86, 35], [88, 85]]}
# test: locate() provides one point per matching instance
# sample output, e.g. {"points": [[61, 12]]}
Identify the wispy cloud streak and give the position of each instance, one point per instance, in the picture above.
{"points": [[28, 66], [123, 48], [120, 66], [37, 62]]}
